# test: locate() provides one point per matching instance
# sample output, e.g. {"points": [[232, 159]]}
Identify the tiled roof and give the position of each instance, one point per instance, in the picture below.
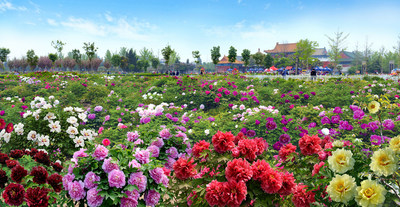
{"points": [[225, 60], [320, 52], [283, 48]]}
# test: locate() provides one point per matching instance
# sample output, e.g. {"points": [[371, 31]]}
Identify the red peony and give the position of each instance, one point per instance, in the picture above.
{"points": [[288, 184], [223, 141], [167, 172], [235, 193], [55, 181], [199, 147], [12, 163], [271, 181], [302, 198], [10, 127], [42, 157], [17, 173], [39, 174], [317, 167], [259, 167], [248, 148], [239, 137], [16, 154], [238, 170], [2, 124], [262, 145], [14, 194], [184, 168], [286, 151], [310, 145], [37, 197], [57, 167], [33, 152], [3, 178], [214, 193], [3, 158]]}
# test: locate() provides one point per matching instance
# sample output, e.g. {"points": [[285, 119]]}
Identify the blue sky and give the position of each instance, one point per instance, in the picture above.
{"points": [[193, 25]]}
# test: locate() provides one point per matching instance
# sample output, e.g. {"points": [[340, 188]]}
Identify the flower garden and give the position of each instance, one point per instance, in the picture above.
{"points": [[70, 139]]}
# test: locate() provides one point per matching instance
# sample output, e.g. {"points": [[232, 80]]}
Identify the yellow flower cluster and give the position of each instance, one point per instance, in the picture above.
{"points": [[337, 143], [370, 194], [342, 188], [395, 144], [384, 162], [341, 161], [373, 107]]}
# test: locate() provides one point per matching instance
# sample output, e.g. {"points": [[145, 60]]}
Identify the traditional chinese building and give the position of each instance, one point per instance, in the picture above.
{"points": [[223, 65]]}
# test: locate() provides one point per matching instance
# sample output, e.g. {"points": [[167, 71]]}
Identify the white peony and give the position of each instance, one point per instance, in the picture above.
{"points": [[55, 126], [32, 135], [79, 142]]}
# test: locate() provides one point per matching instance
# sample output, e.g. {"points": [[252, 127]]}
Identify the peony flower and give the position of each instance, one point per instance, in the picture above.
{"points": [[155, 151], [106, 142], [55, 181], [139, 180], [131, 199], [116, 178], [259, 167], [370, 193], [158, 142], [284, 139], [341, 161], [93, 198], [373, 107], [317, 167], [384, 162], [100, 153], [288, 184], [199, 147], [109, 165], [238, 170], [310, 145], [14, 194], [67, 179], [172, 152], [151, 198], [286, 151], [248, 148], [223, 141], [157, 174], [342, 188], [90, 178], [271, 181], [184, 168], [18, 173], [301, 197], [143, 156], [76, 190], [39, 174], [234, 193], [37, 197], [214, 190], [394, 144]]}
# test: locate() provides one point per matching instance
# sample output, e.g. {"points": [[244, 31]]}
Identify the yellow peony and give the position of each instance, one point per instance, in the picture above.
{"points": [[384, 162], [341, 161], [370, 193], [373, 107], [342, 188], [337, 143], [395, 144]]}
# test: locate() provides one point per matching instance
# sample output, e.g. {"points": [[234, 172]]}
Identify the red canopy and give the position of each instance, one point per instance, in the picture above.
{"points": [[289, 67], [273, 68]]}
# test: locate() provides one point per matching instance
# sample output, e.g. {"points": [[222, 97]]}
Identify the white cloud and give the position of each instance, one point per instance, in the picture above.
{"points": [[52, 22], [108, 17], [83, 25], [6, 5]]}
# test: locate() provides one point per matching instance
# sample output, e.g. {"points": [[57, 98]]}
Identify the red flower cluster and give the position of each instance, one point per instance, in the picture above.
{"points": [[3, 158], [238, 170], [12, 163], [310, 145], [288, 184], [39, 174], [42, 157], [55, 181], [286, 150], [302, 198], [250, 148], [184, 168], [259, 167], [223, 141], [10, 127], [226, 193], [57, 167], [3, 178], [16, 154], [37, 197], [317, 167], [2, 124], [239, 137], [14, 194], [271, 181], [17, 173], [199, 147]]}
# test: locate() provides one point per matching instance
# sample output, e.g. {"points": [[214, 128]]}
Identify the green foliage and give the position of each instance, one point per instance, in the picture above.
{"points": [[215, 54], [246, 57], [3, 54], [90, 49], [268, 61], [32, 58], [232, 54], [116, 60], [53, 57], [258, 58], [166, 52]]}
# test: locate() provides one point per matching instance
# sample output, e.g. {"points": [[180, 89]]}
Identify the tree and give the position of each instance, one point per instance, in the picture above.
{"points": [[397, 50], [77, 56], [1, 65], [232, 54], [367, 53], [132, 57], [69, 63], [44, 63], [107, 64], [124, 63], [108, 56], [90, 50], [215, 55], [304, 50], [59, 45], [174, 58], [268, 61], [166, 52], [123, 52], [155, 62], [246, 57], [258, 58], [3, 54], [32, 59], [336, 44], [145, 56], [53, 57], [116, 60], [196, 56], [95, 63]]}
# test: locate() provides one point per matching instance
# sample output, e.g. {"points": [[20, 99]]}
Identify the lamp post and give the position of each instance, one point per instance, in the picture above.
{"points": [[297, 62], [391, 66], [364, 67]]}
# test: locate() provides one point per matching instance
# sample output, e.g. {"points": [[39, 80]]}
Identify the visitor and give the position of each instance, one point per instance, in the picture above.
{"points": [[284, 73], [313, 74], [177, 73]]}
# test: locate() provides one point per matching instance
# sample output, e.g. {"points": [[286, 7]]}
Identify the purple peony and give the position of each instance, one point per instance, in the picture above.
{"points": [[76, 190], [388, 124], [165, 134], [151, 198], [335, 119], [67, 179], [271, 125], [170, 163], [296, 97], [90, 178], [91, 116], [100, 153], [131, 199], [157, 174], [108, 166], [337, 110], [373, 126], [139, 180], [116, 178], [143, 156], [132, 136], [134, 164], [251, 133], [155, 151], [80, 153], [93, 199], [325, 120], [306, 96], [277, 146], [358, 114], [312, 125], [172, 152], [158, 142], [284, 139], [98, 108]]}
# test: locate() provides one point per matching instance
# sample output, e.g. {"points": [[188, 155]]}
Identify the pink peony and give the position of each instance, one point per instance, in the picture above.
{"points": [[93, 199], [116, 178], [76, 190], [100, 153]]}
